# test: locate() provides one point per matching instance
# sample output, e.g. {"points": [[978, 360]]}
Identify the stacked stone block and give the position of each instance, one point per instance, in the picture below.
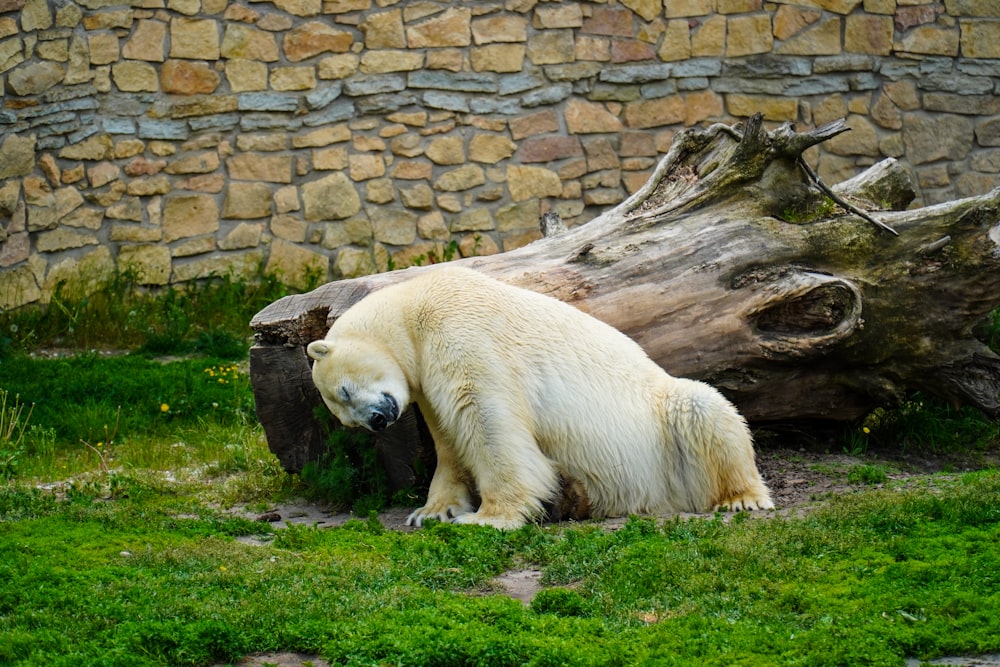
{"points": [[315, 139]]}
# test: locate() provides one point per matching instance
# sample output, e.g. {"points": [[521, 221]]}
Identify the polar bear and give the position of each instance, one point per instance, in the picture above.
{"points": [[518, 388]]}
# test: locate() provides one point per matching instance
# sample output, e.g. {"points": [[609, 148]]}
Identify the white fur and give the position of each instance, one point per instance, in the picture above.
{"points": [[517, 387]]}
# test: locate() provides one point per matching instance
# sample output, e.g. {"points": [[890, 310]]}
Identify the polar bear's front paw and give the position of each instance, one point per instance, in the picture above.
{"points": [[498, 522], [441, 511]]}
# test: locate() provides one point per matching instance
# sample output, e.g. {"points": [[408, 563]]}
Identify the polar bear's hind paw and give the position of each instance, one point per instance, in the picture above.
{"points": [[741, 503], [444, 513]]}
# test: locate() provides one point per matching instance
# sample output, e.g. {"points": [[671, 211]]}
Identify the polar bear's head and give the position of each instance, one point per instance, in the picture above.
{"points": [[360, 382]]}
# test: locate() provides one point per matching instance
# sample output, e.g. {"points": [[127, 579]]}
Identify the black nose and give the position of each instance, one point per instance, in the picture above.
{"points": [[377, 421]]}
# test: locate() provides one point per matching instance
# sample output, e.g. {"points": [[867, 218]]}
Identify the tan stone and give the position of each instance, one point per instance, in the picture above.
{"points": [[18, 286], [593, 48], [68, 200], [552, 47], [490, 148], [195, 246], [829, 109], [365, 167], [246, 75], [298, 267], [868, 34], [129, 208], [275, 141], [861, 140], [380, 191], [702, 105], [449, 203], [980, 38], [35, 78], [498, 58], [258, 167], [393, 226], [290, 228], [248, 43], [433, 227], [313, 38], [540, 122], [293, 78], [239, 265], [529, 182], [332, 197], [451, 27], [446, 150], [134, 77], [189, 215], [150, 263], [35, 15], [789, 20], [500, 28], [148, 42], [300, 7], [419, 196], [448, 59], [102, 173], [322, 137], [79, 278], [183, 77], [773, 108], [683, 8], [381, 62], [384, 30], [747, 35], [558, 15], [63, 239], [584, 117], [103, 48], [413, 170], [709, 39], [329, 159], [129, 233], [477, 245], [199, 163], [286, 199], [904, 94], [338, 67], [247, 201], [196, 39], [522, 215], [929, 40], [820, 39], [676, 43], [474, 220], [354, 262], [97, 147], [17, 155], [655, 113], [463, 178]]}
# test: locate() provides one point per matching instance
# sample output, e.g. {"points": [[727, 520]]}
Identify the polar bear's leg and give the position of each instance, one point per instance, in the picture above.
{"points": [[512, 474], [448, 496]]}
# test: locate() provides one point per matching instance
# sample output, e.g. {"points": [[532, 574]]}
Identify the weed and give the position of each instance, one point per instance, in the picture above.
{"points": [[867, 474], [12, 426], [349, 474]]}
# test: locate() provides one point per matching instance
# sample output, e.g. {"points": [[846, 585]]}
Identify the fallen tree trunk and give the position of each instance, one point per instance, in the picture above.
{"points": [[732, 265]]}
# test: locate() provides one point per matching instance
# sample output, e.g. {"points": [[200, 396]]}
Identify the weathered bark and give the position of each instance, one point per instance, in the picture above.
{"points": [[732, 266]]}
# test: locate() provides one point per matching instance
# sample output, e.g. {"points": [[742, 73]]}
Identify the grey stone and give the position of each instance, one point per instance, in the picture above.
{"points": [[518, 83], [266, 102], [693, 83], [7, 117], [61, 94], [222, 121], [322, 96], [263, 121], [769, 66], [163, 129], [89, 129], [950, 82], [988, 134], [485, 105], [380, 104], [374, 85], [467, 82], [938, 137], [573, 71], [604, 92], [898, 69], [446, 101], [977, 67], [657, 90], [335, 113], [47, 130], [817, 86], [697, 67], [51, 143], [847, 62], [864, 81], [123, 105], [119, 125], [636, 73], [52, 119], [748, 86], [936, 66], [550, 95]]}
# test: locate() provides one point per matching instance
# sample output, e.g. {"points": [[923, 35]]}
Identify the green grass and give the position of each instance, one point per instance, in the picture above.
{"points": [[141, 575], [115, 548]]}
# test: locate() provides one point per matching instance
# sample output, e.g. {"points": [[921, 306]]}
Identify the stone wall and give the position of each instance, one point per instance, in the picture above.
{"points": [[328, 138]]}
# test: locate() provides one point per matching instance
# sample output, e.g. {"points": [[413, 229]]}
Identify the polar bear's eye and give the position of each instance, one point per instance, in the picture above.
{"points": [[345, 396]]}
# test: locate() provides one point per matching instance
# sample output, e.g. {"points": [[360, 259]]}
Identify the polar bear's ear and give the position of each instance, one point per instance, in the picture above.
{"points": [[318, 349]]}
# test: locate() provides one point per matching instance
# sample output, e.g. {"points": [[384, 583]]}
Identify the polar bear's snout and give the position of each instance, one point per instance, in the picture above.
{"points": [[383, 414]]}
